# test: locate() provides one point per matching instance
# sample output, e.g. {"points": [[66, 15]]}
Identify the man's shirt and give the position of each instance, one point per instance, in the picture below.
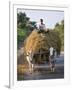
{"points": [[42, 27]]}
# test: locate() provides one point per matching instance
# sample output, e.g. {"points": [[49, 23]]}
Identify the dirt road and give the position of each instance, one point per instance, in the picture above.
{"points": [[44, 71]]}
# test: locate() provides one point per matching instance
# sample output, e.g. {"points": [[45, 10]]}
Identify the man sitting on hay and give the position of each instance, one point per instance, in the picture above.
{"points": [[42, 28]]}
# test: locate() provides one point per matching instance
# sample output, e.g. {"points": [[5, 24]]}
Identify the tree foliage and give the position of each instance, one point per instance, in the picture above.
{"points": [[24, 26], [59, 27], [22, 20]]}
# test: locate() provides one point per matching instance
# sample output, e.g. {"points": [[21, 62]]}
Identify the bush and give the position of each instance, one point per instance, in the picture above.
{"points": [[21, 34]]}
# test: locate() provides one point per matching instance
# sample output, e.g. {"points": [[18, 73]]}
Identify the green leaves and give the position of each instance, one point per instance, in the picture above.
{"points": [[22, 20], [21, 34], [60, 28], [24, 27]]}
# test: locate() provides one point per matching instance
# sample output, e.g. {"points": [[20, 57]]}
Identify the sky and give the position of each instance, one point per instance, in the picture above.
{"points": [[50, 17]]}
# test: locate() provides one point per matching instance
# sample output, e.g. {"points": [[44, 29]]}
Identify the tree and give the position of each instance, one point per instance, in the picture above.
{"points": [[60, 29], [24, 26], [22, 20], [57, 24]]}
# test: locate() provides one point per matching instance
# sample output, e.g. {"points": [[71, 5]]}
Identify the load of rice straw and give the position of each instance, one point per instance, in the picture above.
{"points": [[35, 42]]}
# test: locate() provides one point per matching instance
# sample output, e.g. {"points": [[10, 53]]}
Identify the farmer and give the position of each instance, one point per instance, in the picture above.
{"points": [[42, 28], [51, 58], [42, 25]]}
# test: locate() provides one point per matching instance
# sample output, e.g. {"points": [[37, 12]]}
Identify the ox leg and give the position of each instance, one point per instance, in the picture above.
{"points": [[53, 69], [50, 64], [32, 67], [29, 63]]}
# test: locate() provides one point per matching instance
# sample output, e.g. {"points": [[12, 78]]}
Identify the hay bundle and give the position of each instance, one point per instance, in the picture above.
{"points": [[39, 45], [36, 43]]}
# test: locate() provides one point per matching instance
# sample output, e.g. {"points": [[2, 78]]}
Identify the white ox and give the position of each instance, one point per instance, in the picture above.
{"points": [[29, 58]]}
